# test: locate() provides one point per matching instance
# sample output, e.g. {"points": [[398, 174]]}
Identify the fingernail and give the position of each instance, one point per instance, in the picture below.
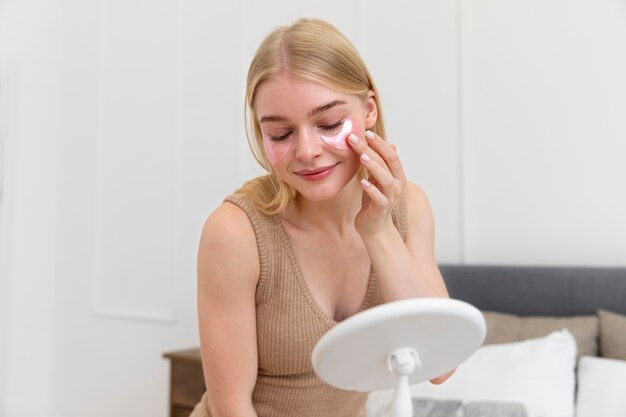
{"points": [[370, 134], [365, 182], [353, 138], [365, 158]]}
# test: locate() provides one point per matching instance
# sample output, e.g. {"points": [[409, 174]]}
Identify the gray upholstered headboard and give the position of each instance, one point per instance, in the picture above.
{"points": [[538, 290]]}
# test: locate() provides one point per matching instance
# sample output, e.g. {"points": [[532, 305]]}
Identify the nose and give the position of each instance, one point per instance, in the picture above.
{"points": [[308, 145]]}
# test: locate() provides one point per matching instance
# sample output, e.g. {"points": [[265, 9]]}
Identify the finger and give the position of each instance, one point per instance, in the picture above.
{"points": [[442, 378], [388, 153], [384, 180], [361, 147], [376, 196]]}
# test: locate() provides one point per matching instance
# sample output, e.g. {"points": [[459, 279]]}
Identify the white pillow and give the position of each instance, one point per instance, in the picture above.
{"points": [[601, 387], [538, 373]]}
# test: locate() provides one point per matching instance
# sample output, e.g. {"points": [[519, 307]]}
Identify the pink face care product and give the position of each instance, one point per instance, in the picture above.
{"points": [[339, 140], [276, 150]]}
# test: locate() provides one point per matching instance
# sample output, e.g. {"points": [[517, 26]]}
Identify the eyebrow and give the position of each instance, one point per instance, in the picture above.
{"points": [[272, 119], [317, 110], [326, 106]]}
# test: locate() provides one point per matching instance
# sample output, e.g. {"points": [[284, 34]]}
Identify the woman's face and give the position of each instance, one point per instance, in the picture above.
{"points": [[304, 126]]}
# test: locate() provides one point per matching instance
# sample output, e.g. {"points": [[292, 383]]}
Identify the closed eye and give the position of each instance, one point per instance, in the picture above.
{"points": [[279, 138], [331, 127]]}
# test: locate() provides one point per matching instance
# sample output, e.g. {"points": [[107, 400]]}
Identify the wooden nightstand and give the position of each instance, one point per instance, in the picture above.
{"points": [[186, 381]]}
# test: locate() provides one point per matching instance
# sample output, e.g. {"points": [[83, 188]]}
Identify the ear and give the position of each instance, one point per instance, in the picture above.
{"points": [[371, 110]]}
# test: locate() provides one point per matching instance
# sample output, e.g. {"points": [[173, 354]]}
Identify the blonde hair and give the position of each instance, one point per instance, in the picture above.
{"points": [[311, 50]]}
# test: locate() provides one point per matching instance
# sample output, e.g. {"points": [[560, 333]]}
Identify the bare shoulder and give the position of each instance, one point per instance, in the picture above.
{"points": [[415, 192], [421, 239], [418, 205], [228, 243], [228, 219]]}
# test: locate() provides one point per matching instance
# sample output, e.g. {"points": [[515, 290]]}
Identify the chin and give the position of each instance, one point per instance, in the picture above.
{"points": [[317, 193], [323, 191]]}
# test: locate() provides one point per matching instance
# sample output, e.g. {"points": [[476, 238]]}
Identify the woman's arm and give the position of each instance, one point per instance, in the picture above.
{"points": [[228, 273], [404, 269], [407, 269]]}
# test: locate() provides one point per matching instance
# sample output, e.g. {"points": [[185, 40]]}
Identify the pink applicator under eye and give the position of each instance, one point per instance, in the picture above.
{"points": [[339, 140], [276, 150]]}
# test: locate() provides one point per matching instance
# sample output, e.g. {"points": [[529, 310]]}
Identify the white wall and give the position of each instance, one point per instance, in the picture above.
{"points": [[128, 132], [31, 43], [543, 104]]}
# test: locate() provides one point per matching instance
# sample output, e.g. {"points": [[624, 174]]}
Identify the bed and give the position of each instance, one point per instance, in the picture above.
{"points": [[555, 345]]}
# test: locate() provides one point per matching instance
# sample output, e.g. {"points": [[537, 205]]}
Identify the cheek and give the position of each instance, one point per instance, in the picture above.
{"points": [[276, 151], [339, 141], [356, 129]]}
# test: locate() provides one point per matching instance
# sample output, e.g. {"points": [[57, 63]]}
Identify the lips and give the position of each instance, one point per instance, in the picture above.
{"points": [[316, 173]]}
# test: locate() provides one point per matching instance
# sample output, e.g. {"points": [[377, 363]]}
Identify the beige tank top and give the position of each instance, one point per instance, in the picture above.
{"points": [[289, 324]]}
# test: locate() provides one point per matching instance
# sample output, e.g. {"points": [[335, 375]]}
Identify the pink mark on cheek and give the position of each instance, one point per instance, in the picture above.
{"points": [[339, 141], [276, 150]]}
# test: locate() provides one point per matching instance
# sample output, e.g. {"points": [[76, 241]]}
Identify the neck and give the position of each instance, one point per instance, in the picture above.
{"points": [[333, 216]]}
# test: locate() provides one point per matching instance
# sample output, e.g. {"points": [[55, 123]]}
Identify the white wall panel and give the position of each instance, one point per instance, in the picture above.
{"points": [[204, 92], [33, 43], [212, 99], [411, 48], [138, 159], [544, 99], [8, 116]]}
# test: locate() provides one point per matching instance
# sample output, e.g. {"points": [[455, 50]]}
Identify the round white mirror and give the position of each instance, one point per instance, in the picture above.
{"points": [[399, 344]]}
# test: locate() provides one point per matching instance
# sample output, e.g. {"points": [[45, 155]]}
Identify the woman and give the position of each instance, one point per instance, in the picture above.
{"points": [[332, 229]]}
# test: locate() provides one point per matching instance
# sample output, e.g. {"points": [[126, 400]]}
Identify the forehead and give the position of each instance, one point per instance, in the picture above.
{"points": [[288, 96]]}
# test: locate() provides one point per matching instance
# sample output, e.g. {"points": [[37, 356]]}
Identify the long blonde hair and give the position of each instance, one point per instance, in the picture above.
{"points": [[311, 50]]}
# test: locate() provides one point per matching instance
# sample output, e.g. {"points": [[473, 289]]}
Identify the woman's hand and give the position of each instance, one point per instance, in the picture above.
{"points": [[441, 379], [405, 266], [384, 185]]}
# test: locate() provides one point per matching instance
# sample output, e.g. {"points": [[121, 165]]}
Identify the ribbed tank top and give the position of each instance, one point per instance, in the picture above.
{"points": [[289, 324]]}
